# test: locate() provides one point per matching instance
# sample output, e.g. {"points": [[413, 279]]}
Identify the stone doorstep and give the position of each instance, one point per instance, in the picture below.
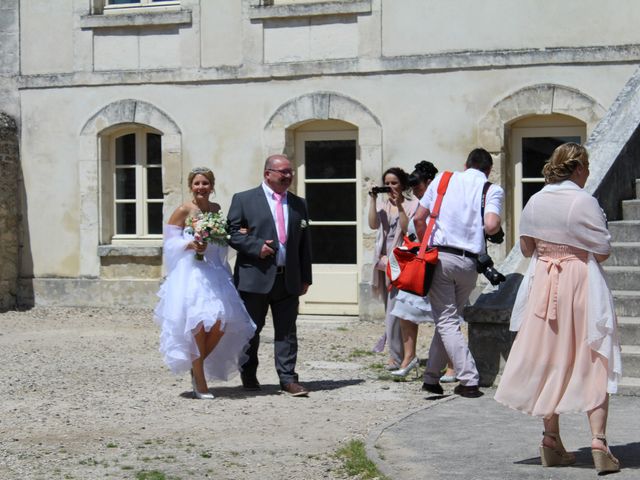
{"points": [[622, 278], [629, 330], [627, 302], [630, 360], [629, 386], [624, 230], [624, 254], [631, 209]]}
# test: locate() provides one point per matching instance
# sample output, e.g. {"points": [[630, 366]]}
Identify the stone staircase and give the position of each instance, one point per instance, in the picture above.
{"points": [[623, 273]]}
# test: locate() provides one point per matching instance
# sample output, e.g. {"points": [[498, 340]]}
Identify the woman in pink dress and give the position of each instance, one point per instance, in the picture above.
{"points": [[390, 217], [566, 356]]}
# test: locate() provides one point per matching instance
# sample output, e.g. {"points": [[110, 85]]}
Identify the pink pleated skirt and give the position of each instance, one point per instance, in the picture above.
{"points": [[551, 369]]}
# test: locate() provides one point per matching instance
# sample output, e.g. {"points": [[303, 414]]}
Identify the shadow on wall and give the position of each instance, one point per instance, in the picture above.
{"points": [[26, 296]]}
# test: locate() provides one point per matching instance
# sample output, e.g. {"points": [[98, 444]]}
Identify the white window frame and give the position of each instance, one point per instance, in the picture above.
{"points": [[141, 201], [330, 278]]}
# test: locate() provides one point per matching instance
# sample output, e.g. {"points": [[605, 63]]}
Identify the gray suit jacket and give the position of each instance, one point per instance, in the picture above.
{"points": [[250, 210]]}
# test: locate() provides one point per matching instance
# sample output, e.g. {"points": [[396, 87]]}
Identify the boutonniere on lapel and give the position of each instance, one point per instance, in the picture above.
{"points": [[303, 224]]}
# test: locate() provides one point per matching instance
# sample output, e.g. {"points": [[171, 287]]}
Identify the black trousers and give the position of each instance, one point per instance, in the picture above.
{"points": [[284, 310]]}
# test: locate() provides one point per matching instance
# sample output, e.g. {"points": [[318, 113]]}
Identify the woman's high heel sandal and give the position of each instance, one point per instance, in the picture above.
{"points": [[554, 456], [196, 393], [403, 372], [604, 461]]}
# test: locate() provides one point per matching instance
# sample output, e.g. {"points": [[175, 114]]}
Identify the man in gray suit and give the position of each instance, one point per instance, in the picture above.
{"points": [[269, 229]]}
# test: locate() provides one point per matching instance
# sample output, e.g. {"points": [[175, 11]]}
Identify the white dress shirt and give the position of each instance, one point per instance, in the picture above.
{"points": [[459, 224], [281, 253]]}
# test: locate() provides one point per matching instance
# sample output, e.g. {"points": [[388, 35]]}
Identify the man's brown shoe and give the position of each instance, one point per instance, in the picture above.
{"points": [[295, 390]]}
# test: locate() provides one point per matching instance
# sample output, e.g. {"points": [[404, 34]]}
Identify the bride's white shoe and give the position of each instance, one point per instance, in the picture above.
{"points": [[197, 394], [403, 372]]}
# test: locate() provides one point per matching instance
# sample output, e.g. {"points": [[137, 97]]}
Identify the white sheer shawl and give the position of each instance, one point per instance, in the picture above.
{"points": [[564, 213], [174, 248]]}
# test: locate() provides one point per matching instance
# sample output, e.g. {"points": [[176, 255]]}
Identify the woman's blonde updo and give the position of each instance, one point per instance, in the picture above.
{"points": [[563, 162], [204, 171]]}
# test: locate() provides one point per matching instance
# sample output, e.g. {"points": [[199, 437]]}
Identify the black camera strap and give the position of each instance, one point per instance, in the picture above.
{"points": [[485, 189]]}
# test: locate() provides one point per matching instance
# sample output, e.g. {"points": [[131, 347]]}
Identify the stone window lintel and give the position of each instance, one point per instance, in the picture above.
{"points": [[139, 19], [129, 251], [262, 12]]}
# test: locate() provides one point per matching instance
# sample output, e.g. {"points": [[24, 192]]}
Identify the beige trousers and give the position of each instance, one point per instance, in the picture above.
{"points": [[454, 280]]}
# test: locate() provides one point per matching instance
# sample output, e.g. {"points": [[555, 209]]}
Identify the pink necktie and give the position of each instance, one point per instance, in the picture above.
{"points": [[282, 231]]}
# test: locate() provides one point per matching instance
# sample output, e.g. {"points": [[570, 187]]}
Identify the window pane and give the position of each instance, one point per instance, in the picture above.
{"points": [[121, 2], [330, 159], [537, 150], [528, 189], [126, 218], [331, 201], [154, 218], [154, 183], [334, 244], [126, 150], [154, 154], [125, 184]]}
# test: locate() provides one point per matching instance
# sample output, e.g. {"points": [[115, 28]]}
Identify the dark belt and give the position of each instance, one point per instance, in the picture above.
{"points": [[457, 251], [279, 269]]}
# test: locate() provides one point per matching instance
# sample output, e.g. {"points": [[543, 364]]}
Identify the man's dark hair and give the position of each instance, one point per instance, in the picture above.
{"points": [[480, 159]]}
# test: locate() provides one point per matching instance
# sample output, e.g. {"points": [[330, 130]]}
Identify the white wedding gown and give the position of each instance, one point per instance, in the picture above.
{"points": [[200, 293]]}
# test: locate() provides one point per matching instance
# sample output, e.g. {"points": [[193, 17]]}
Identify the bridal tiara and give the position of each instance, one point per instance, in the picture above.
{"points": [[200, 170]]}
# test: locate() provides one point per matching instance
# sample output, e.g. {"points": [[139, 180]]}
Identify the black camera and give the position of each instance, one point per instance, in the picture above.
{"points": [[497, 237], [485, 267], [376, 190]]}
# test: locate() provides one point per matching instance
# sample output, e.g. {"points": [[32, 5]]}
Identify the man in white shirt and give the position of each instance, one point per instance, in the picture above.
{"points": [[459, 234]]}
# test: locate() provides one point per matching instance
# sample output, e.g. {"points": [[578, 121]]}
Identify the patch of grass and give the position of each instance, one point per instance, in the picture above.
{"points": [[359, 352], [355, 461], [342, 329], [111, 445], [205, 454], [150, 475], [377, 366]]}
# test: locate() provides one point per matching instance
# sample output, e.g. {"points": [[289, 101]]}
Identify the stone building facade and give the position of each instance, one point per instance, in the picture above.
{"points": [[136, 94]]}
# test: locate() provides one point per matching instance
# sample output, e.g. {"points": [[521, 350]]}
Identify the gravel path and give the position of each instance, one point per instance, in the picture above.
{"points": [[85, 395]]}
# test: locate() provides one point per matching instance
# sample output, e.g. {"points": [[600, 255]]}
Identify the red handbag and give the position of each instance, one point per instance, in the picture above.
{"points": [[411, 265]]}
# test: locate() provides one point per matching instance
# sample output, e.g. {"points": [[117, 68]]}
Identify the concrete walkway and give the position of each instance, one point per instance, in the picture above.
{"points": [[452, 438]]}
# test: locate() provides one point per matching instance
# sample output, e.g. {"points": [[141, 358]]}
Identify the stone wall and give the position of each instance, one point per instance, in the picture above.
{"points": [[9, 220]]}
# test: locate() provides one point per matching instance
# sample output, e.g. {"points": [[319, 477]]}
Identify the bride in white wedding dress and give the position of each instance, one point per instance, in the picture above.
{"points": [[205, 326]]}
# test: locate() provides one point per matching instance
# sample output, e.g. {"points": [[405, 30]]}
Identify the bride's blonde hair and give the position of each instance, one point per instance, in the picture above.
{"points": [[564, 161]]}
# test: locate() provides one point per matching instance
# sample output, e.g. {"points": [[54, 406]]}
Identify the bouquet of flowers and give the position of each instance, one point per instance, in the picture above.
{"points": [[208, 227]]}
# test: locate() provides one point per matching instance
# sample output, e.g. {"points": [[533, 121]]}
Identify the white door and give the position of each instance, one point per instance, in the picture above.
{"points": [[328, 172], [531, 148]]}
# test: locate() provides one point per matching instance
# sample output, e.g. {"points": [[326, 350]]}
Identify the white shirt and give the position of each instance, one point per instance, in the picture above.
{"points": [[459, 224], [281, 253]]}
